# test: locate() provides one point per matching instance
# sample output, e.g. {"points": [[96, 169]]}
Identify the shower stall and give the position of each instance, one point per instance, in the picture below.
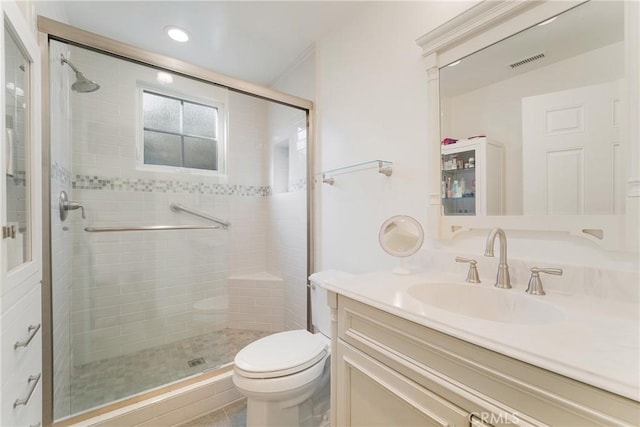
{"points": [[178, 220]]}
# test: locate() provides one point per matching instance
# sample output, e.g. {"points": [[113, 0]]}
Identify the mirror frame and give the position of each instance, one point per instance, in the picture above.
{"points": [[487, 23]]}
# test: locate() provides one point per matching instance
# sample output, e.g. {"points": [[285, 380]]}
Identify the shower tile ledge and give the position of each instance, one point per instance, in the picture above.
{"points": [[262, 275]]}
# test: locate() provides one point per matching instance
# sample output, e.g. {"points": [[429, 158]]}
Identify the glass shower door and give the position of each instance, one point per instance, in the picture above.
{"points": [[139, 288], [183, 230]]}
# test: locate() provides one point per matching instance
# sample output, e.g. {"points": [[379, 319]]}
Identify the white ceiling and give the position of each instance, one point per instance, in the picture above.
{"points": [[251, 40]]}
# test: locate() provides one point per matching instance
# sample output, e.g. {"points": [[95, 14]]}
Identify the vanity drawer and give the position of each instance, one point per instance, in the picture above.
{"points": [[477, 379], [21, 365], [26, 394], [16, 324]]}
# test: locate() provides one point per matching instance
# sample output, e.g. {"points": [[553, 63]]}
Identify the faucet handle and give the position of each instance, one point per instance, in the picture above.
{"points": [[472, 275], [535, 284]]}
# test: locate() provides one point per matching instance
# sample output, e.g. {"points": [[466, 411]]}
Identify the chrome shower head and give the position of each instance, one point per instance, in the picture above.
{"points": [[82, 84]]}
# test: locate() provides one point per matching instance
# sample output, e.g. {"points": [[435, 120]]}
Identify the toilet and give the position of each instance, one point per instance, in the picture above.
{"points": [[285, 376]]}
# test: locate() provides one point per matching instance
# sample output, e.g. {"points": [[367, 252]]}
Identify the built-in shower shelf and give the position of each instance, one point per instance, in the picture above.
{"points": [[383, 166]]}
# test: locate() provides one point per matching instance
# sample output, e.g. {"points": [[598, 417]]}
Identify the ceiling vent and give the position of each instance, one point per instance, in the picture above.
{"points": [[527, 60]]}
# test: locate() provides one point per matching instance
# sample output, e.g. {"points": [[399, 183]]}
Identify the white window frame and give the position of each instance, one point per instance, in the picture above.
{"points": [[221, 132]]}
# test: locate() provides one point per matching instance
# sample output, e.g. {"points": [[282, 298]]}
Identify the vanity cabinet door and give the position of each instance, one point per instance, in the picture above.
{"points": [[372, 394]]}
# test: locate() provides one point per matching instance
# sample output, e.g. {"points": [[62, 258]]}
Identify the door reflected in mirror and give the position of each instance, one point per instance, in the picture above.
{"points": [[551, 97]]}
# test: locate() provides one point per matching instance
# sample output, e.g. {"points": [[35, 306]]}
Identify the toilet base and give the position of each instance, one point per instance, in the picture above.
{"points": [[262, 413], [309, 407]]}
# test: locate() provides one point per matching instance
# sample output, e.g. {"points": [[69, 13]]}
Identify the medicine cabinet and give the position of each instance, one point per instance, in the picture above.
{"points": [[472, 178]]}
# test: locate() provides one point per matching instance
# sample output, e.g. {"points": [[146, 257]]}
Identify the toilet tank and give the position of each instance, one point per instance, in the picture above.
{"points": [[320, 311]]}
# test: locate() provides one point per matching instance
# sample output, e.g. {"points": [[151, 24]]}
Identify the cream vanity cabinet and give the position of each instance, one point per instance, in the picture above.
{"points": [[472, 177], [388, 371], [21, 218]]}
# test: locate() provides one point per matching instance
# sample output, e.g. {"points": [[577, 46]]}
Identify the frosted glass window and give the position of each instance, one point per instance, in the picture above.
{"points": [[199, 153], [162, 149], [179, 133], [200, 120], [161, 113]]}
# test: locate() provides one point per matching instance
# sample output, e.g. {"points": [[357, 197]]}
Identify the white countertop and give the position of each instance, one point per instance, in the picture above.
{"points": [[597, 342]]}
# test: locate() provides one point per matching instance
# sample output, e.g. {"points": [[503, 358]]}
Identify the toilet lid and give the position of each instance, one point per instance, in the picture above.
{"points": [[281, 354]]}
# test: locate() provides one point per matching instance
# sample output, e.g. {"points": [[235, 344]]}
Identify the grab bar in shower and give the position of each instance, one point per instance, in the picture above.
{"points": [[175, 207], [151, 228]]}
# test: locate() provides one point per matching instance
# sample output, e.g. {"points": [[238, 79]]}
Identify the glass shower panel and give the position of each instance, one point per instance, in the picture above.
{"points": [[133, 310]]}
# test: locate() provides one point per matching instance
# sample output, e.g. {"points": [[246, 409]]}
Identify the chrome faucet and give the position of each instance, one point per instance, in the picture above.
{"points": [[503, 280]]}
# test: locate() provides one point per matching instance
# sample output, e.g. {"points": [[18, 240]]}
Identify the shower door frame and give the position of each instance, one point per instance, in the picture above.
{"points": [[49, 29]]}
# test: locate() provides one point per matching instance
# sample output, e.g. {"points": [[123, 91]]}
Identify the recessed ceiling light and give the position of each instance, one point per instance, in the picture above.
{"points": [[163, 77], [453, 64], [548, 21], [177, 34]]}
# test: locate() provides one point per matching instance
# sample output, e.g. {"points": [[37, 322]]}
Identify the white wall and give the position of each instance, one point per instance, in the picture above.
{"points": [[372, 103]]}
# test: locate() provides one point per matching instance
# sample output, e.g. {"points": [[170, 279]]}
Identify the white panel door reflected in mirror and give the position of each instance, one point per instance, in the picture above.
{"points": [[401, 236]]}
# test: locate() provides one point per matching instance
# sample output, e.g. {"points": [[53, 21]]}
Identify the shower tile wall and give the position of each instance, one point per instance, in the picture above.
{"points": [[287, 251], [256, 302], [287, 228], [137, 290]]}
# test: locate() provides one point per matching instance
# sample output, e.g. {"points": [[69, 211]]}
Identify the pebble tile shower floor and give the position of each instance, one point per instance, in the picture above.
{"points": [[107, 380]]}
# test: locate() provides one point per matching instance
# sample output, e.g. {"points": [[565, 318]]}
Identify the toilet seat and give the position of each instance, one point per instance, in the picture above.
{"points": [[281, 354]]}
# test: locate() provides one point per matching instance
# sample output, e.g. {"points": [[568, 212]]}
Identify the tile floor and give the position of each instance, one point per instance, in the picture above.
{"points": [[107, 380], [234, 415]]}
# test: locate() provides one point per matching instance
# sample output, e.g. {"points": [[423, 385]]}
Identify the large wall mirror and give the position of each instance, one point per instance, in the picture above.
{"points": [[534, 105]]}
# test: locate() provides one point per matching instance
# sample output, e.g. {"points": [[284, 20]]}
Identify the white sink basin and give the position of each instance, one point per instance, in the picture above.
{"points": [[479, 301]]}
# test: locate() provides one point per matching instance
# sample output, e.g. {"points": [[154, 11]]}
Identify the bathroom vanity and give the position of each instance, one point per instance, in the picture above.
{"points": [[401, 361]]}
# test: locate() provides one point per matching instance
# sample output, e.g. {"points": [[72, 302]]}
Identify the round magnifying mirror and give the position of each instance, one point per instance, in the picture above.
{"points": [[401, 236]]}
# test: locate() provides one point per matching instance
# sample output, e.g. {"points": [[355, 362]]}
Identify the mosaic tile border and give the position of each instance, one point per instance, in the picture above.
{"points": [[87, 182], [63, 176]]}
